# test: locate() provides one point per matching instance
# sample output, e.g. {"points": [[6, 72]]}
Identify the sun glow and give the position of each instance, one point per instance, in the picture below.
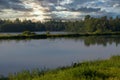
{"points": [[38, 12]]}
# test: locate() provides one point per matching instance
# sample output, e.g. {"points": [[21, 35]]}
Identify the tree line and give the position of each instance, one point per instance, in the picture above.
{"points": [[28, 25], [88, 25]]}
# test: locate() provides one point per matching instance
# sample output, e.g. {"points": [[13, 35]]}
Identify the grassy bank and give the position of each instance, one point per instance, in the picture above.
{"points": [[44, 36], [92, 70]]}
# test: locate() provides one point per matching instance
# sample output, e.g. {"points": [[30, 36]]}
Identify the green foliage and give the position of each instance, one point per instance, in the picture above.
{"points": [[88, 25], [28, 25], [47, 32], [27, 33]]}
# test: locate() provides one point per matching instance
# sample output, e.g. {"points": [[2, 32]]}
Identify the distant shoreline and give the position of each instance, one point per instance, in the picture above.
{"points": [[48, 35]]}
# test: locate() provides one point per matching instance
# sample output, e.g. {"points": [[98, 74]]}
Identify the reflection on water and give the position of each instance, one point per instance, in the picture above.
{"points": [[100, 40], [89, 40], [16, 55]]}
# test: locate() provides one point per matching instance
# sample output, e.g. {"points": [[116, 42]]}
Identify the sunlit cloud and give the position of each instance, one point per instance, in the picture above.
{"points": [[38, 12], [60, 9]]}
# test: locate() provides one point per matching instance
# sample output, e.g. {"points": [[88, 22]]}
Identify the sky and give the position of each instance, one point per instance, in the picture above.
{"points": [[58, 9]]}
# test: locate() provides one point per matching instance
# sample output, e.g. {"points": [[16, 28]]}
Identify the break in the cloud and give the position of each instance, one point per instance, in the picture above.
{"points": [[58, 9]]}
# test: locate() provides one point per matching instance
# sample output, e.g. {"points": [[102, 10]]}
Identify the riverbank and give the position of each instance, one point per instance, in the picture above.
{"points": [[48, 35], [92, 70]]}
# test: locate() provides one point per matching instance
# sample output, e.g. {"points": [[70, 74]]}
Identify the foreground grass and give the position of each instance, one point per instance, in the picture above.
{"points": [[92, 70]]}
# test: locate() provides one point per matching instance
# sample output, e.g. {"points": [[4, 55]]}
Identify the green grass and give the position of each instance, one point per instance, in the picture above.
{"points": [[92, 70]]}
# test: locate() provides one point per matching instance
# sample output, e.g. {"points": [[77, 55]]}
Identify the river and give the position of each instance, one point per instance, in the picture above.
{"points": [[16, 55]]}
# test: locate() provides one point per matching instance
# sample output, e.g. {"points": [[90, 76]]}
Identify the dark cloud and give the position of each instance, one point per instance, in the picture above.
{"points": [[2, 2], [86, 10], [13, 4], [8, 3]]}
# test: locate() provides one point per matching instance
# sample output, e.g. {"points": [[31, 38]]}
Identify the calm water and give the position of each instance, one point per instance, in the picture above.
{"points": [[52, 53]]}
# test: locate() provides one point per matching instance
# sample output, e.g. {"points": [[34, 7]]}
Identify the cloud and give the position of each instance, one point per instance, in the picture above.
{"points": [[116, 5], [86, 10], [13, 4], [67, 9]]}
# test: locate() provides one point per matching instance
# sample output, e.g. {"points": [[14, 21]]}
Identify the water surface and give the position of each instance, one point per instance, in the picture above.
{"points": [[16, 55]]}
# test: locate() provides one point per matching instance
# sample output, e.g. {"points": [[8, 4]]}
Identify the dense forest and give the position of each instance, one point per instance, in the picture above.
{"points": [[88, 25]]}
